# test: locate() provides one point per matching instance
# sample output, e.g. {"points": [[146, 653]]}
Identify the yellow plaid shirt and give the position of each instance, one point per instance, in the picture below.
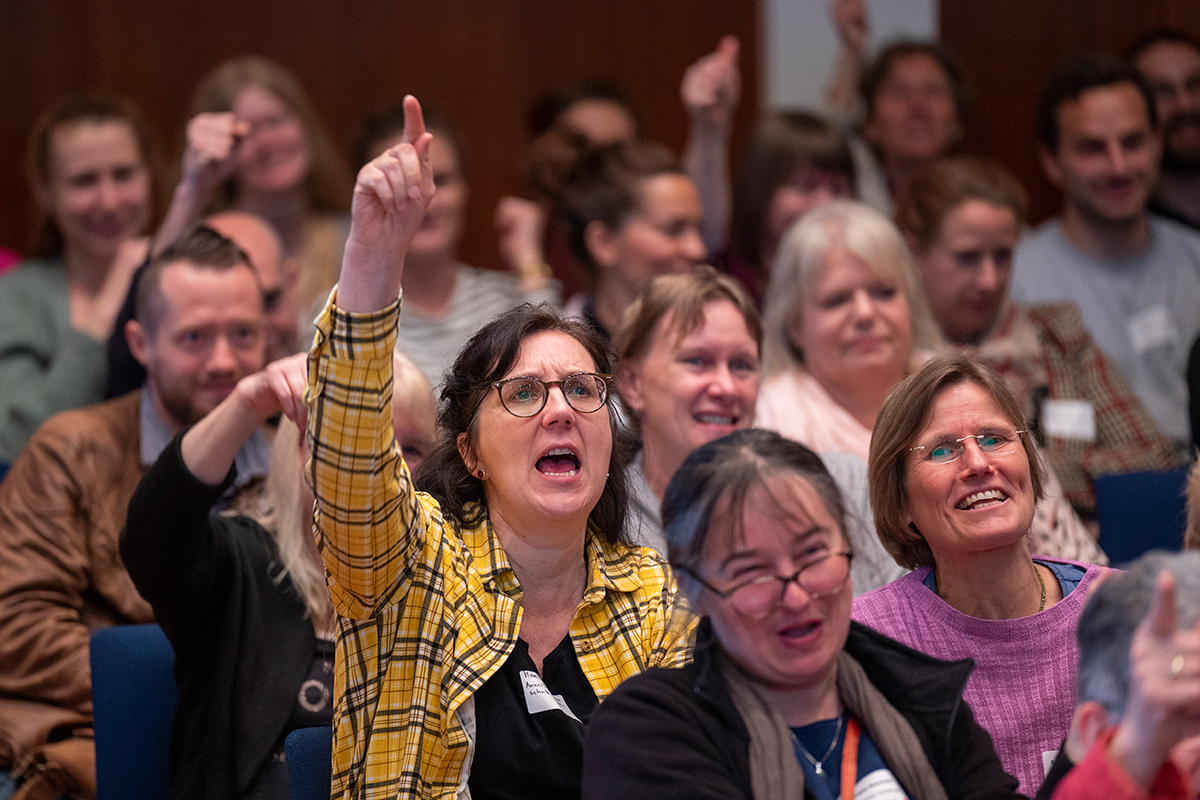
{"points": [[428, 611]]}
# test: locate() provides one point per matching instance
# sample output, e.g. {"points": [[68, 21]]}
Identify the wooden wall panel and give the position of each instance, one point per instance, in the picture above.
{"points": [[1008, 47], [482, 61]]}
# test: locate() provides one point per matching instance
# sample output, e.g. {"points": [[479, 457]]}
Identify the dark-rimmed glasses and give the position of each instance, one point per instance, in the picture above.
{"points": [[756, 598], [585, 392]]}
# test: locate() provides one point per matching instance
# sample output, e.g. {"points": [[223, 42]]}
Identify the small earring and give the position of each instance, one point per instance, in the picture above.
{"points": [[479, 474]]}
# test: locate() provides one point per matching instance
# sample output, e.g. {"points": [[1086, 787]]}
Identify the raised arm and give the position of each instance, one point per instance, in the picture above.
{"points": [[711, 89], [391, 196], [213, 141], [852, 24], [367, 517]]}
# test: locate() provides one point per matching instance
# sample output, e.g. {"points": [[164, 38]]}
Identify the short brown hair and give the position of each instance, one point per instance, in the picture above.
{"points": [[684, 296], [879, 68], [900, 420], [947, 183], [201, 247]]}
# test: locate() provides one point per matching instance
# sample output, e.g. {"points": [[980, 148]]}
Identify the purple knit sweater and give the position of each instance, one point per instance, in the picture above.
{"points": [[1023, 688]]}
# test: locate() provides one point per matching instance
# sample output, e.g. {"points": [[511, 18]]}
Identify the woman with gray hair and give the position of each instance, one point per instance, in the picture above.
{"points": [[786, 697], [845, 320]]}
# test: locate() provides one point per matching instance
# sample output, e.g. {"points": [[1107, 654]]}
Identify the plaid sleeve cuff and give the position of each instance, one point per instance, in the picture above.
{"points": [[357, 336]]}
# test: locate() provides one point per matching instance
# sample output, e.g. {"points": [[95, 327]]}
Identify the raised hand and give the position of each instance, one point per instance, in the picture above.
{"points": [[1164, 688], [850, 19], [210, 447], [213, 141], [391, 196], [713, 85]]}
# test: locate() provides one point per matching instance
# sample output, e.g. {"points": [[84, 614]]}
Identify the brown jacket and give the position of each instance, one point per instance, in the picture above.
{"points": [[62, 507]]}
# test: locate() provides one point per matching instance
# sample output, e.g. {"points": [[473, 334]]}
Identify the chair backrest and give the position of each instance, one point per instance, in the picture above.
{"points": [[133, 697], [309, 753], [1141, 511]]}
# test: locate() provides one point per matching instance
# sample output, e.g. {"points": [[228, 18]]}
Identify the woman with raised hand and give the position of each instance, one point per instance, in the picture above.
{"points": [[484, 618], [89, 163], [786, 697], [954, 479]]}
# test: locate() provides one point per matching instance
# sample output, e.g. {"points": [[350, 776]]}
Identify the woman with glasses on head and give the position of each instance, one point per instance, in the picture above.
{"points": [[483, 618], [786, 697], [954, 479]]}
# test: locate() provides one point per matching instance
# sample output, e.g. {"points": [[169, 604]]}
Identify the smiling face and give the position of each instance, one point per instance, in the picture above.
{"points": [[97, 189], [208, 337], [795, 646], [1107, 158], [980, 501], [550, 467], [966, 269], [913, 117], [274, 155], [853, 324], [1172, 69], [688, 391], [660, 237]]}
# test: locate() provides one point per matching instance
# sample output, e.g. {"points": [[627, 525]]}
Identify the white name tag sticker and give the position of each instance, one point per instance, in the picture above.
{"points": [[538, 697], [1069, 419], [1151, 327], [879, 785], [1048, 758]]}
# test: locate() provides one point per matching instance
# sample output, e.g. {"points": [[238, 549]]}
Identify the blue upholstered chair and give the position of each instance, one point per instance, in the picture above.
{"points": [[133, 696], [309, 753]]}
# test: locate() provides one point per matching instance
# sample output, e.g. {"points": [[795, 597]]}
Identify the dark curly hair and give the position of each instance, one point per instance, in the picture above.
{"points": [[488, 357]]}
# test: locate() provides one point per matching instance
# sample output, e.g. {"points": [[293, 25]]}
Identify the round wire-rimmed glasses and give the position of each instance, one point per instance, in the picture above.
{"points": [[756, 598], [944, 451], [585, 392]]}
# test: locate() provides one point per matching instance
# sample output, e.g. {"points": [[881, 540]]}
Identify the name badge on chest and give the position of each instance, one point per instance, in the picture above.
{"points": [[538, 697]]}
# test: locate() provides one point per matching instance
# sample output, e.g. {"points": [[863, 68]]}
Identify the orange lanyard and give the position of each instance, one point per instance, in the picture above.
{"points": [[850, 759]]}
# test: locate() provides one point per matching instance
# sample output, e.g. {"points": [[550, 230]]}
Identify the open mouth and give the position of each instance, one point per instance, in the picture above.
{"points": [[559, 462], [799, 631], [984, 499], [715, 419]]}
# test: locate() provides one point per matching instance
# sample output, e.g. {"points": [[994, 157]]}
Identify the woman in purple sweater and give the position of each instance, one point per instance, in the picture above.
{"points": [[954, 478]]}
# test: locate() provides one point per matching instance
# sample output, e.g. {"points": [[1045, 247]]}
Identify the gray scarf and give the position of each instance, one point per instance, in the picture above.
{"points": [[775, 773]]}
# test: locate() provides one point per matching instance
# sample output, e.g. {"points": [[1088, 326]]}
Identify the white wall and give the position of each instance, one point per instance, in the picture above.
{"points": [[800, 43]]}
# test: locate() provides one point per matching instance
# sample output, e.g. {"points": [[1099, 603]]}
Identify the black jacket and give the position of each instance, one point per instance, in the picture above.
{"points": [[243, 644], [675, 733]]}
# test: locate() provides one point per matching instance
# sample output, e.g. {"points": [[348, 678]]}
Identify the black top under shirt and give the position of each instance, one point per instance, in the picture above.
{"points": [[526, 746]]}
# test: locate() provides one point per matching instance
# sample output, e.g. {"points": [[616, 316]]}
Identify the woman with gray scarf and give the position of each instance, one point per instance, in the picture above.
{"points": [[786, 697]]}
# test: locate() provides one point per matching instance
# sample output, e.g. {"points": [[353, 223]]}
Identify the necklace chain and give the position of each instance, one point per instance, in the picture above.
{"points": [[1042, 583], [819, 765]]}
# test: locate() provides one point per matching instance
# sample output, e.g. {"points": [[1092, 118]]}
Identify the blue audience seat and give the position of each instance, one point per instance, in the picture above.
{"points": [[133, 695], [309, 753], [1141, 511]]}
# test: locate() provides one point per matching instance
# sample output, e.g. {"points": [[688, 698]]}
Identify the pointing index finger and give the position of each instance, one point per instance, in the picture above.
{"points": [[414, 120]]}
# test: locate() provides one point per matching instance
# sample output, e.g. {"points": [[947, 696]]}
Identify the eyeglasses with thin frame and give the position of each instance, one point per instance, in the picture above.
{"points": [[946, 450], [756, 598], [585, 392]]}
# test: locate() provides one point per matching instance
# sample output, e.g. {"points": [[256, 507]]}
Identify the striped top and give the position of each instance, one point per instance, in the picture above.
{"points": [[429, 611]]}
